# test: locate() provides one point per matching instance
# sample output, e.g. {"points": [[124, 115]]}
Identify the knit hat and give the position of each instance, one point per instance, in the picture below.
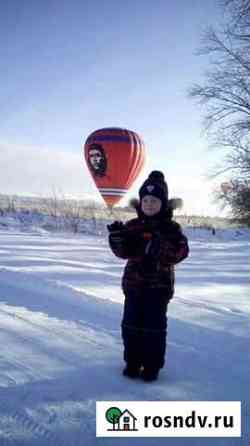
{"points": [[155, 185]]}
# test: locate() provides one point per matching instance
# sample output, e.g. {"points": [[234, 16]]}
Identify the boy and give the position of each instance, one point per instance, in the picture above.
{"points": [[152, 243]]}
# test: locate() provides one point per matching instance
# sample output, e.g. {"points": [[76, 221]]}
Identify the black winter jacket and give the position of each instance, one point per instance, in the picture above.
{"points": [[151, 268]]}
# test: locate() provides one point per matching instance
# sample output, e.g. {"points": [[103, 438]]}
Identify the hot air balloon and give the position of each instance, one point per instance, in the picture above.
{"points": [[115, 157]]}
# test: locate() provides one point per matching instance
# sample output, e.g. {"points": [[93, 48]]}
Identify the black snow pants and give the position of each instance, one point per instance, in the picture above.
{"points": [[144, 327]]}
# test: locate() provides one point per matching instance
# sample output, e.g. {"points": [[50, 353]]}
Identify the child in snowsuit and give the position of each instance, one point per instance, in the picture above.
{"points": [[152, 243]]}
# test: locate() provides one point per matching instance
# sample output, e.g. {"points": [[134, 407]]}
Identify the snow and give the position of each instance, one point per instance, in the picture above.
{"points": [[61, 351]]}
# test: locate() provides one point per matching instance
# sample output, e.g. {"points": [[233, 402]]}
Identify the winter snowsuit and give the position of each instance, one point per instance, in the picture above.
{"points": [[152, 247]]}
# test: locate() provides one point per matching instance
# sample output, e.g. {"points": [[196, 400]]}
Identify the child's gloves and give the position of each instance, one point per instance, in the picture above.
{"points": [[116, 226], [125, 240], [116, 237], [171, 254]]}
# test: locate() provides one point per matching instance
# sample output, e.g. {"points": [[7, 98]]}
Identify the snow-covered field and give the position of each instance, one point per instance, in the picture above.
{"points": [[60, 311]]}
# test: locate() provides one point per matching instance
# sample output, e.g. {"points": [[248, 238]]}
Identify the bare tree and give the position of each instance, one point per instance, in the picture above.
{"points": [[52, 205], [238, 198], [225, 94], [71, 211]]}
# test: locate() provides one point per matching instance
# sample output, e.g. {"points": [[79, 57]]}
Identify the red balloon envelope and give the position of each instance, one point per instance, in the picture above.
{"points": [[115, 158]]}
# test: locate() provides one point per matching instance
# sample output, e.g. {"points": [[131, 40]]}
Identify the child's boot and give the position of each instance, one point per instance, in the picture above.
{"points": [[149, 374], [131, 371]]}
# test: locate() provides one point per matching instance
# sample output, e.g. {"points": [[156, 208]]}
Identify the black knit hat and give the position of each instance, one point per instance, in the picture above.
{"points": [[155, 185]]}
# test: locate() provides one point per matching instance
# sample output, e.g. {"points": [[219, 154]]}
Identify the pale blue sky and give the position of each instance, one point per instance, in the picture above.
{"points": [[70, 67]]}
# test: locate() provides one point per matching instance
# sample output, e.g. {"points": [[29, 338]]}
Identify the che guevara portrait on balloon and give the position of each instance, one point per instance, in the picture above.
{"points": [[97, 160]]}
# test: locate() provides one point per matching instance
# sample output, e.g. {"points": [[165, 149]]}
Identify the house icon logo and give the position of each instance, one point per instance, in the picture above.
{"points": [[121, 420]]}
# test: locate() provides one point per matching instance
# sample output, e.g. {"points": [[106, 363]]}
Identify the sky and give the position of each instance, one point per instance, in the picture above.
{"points": [[68, 68]]}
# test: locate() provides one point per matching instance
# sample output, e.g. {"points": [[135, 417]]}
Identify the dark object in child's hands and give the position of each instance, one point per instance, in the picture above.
{"points": [[153, 246], [150, 262]]}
